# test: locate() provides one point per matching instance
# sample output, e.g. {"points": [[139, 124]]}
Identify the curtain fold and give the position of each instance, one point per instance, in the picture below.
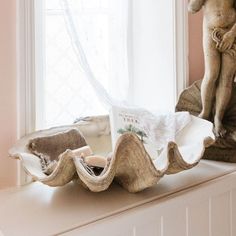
{"points": [[102, 53], [109, 78]]}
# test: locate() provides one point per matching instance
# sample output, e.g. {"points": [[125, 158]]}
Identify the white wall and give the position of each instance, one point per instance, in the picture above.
{"points": [[153, 52]]}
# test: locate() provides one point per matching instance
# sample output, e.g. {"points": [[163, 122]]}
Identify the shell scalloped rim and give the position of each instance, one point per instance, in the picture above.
{"points": [[130, 166]]}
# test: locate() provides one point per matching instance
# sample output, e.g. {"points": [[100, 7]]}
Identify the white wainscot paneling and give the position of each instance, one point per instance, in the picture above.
{"points": [[233, 212], [198, 219], [206, 210], [220, 215]]}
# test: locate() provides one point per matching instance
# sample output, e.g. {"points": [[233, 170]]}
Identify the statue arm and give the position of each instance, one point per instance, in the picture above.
{"points": [[228, 39], [233, 30], [195, 5]]}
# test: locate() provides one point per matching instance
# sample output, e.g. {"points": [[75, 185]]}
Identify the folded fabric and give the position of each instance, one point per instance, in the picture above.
{"points": [[163, 128], [49, 148], [155, 130]]}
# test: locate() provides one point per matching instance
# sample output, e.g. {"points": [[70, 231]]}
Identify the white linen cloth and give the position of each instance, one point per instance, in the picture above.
{"points": [[159, 129]]}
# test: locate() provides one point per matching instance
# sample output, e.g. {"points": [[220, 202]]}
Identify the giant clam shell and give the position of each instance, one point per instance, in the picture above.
{"points": [[131, 166]]}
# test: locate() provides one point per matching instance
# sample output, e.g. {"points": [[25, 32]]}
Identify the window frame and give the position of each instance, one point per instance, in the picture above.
{"points": [[28, 45], [25, 74], [26, 66], [181, 45]]}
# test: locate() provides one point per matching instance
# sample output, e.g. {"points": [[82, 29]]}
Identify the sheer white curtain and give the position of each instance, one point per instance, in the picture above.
{"points": [[91, 58], [111, 83]]}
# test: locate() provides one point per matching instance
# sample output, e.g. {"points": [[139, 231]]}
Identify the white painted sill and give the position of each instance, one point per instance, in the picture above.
{"points": [[37, 209]]}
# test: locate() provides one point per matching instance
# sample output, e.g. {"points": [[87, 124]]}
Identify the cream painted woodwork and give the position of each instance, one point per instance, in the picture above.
{"points": [[208, 210], [197, 202]]}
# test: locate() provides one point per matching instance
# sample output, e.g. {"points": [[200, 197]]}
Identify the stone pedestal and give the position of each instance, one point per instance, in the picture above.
{"points": [[224, 149]]}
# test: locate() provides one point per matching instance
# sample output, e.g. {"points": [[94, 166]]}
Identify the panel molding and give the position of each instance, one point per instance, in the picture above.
{"points": [[209, 210]]}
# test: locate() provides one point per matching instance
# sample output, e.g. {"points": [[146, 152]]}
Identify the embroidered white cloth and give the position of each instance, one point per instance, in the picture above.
{"points": [[163, 128], [155, 130]]}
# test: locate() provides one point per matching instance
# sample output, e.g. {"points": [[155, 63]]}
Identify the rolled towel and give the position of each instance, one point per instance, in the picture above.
{"points": [[89, 159], [96, 161], [82, 152], [50, 147]]}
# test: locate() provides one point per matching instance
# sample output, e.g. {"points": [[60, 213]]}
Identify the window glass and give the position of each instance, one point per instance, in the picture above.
{"points": [[67, 94]]}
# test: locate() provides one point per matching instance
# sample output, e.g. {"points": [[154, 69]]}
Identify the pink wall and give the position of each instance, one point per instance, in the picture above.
{"points": [[196, 61], [7, 90]]}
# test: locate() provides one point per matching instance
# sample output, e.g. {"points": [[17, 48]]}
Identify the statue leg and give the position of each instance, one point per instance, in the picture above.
{"points": [[223, 92], [212, 59]]}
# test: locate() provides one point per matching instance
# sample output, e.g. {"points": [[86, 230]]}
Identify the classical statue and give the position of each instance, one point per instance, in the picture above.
{"points": [[219, 34], [214, 97]]}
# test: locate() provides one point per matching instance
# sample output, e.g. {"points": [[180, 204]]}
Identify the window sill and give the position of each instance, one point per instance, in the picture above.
{"points": [[27, 209]]}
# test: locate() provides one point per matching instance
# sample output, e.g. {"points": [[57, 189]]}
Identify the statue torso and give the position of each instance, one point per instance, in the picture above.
{"points": [[219, 13]]}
